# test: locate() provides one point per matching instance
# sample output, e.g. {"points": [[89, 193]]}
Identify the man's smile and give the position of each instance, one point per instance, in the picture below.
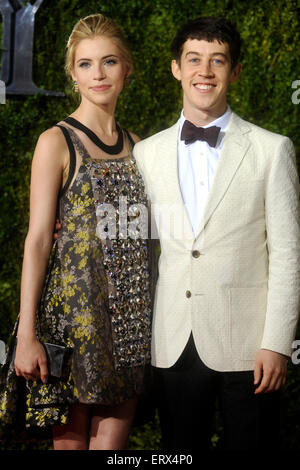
{"points": [[204, 86]]}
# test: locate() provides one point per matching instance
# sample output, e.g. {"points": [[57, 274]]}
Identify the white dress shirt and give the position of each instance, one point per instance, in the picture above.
{"points": [[197, 163]]}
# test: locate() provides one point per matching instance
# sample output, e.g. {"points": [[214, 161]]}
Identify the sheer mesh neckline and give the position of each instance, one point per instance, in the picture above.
{"points": [[83, 147], [114, 149]]}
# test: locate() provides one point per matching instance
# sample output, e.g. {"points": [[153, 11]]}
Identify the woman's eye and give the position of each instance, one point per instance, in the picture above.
{"points": [[110, 62], [84, 65]]}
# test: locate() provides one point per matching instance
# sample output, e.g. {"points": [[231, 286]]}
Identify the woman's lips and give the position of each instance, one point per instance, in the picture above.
{"points": [[100, 88]]}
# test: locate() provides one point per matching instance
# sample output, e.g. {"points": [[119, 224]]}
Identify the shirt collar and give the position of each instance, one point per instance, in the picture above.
{"points": [[221, 121]]}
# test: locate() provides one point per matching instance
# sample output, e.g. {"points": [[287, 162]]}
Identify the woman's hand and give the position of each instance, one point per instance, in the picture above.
{"points": [[31, 360]]}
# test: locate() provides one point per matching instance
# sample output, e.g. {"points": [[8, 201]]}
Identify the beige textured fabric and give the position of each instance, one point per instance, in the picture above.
{"points": [[236, 284]]}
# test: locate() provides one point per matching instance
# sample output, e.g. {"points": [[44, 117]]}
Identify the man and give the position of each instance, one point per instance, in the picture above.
{"points": [[227, 297]]}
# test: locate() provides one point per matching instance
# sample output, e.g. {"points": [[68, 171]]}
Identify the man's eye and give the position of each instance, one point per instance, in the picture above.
{"points": [[218, 61]]}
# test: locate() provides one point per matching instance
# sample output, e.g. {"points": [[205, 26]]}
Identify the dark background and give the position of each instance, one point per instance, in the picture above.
{"points": [[152, 101]]}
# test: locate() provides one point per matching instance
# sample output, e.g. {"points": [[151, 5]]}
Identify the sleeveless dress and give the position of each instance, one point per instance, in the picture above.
{"points": [[96, 298]]}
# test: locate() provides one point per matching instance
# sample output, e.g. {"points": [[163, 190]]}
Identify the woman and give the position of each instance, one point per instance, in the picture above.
{"points": [[96, 299]]}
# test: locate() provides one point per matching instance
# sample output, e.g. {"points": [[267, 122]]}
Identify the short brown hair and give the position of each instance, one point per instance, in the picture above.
{"points": [[209, 28]]}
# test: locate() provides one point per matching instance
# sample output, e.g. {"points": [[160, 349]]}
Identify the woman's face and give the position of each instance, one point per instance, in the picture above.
{"points": [[99, 70]]}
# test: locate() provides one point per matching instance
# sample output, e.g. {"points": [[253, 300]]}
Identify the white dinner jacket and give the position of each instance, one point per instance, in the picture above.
{"points": [[235, 284]]}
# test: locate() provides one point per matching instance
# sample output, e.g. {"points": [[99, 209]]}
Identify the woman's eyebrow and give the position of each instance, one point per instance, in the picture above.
{"points": [[105, 57]]}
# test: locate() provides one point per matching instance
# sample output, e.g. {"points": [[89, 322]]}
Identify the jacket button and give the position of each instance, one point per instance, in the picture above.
{"points": [[196, 253], [188, 294]]}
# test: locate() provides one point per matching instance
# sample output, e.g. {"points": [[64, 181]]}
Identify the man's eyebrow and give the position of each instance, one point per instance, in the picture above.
{"points": [[212, 54]]}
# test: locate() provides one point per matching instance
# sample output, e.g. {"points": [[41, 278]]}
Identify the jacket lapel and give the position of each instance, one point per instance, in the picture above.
{"points": [[169, 173], [233, 151]]}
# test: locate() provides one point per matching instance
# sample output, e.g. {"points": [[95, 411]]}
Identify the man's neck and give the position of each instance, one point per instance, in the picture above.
{"points": [[203, 117]]}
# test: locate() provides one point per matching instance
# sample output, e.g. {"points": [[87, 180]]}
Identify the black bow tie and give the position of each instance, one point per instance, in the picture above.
{"points": [[191, 133]]}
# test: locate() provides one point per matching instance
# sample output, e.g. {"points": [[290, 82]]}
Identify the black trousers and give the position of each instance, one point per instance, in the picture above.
{"points": [[188, 394]]}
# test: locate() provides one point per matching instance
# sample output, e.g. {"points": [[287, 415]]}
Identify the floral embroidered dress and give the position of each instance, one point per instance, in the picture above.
{"points": [[96, 297]]}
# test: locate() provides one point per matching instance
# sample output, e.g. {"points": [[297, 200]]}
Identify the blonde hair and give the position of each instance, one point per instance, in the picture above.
{"points": [[92, 26]]}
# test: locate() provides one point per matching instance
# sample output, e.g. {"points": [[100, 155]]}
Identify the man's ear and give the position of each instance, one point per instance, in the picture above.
{"points": [[235, 73], [175, 67]]}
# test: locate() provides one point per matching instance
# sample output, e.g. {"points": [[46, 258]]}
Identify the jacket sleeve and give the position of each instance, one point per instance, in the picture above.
{"points": [[283, 243], [138, 153]]}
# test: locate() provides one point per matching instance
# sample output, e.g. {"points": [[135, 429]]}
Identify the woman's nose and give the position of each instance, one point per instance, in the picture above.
{"points": [[99, 72]]}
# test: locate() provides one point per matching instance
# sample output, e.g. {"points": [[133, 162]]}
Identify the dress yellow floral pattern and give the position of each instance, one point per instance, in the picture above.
{"points": [[96, 298]]}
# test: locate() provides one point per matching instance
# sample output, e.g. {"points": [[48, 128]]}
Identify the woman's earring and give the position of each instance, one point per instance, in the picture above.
{"points": [[76, 89], [127, 80]]}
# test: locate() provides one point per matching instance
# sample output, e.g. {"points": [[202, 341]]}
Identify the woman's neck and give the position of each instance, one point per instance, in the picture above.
{"points": [[99, 119]]}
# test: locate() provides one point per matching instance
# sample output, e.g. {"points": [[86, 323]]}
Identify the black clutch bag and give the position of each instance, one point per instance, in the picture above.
{"points": [[56, 356]]}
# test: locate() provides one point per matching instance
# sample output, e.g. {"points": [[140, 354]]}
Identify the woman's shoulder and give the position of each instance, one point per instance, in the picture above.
{"points": [[52, 138], [52, 146], [134, 137]]}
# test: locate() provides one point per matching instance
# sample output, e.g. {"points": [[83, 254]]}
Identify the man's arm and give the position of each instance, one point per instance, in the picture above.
{"points": [[283, 241]]}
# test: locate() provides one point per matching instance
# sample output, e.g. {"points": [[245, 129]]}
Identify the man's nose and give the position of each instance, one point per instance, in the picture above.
{"points": [[205, 69]]}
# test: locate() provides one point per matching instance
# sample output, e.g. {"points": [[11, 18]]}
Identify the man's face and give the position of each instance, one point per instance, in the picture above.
{"points": [[205, 73]]}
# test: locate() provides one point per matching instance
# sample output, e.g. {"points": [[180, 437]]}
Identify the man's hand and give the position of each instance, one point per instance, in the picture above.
{"points": [[270, 371], [57, 228]]}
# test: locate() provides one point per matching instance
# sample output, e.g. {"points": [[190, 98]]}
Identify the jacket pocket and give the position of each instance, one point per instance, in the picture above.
{"points": [[247, 318]]}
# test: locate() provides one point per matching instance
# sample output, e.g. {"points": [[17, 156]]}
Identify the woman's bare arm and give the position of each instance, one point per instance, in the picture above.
{"points": [[49, 160]]}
